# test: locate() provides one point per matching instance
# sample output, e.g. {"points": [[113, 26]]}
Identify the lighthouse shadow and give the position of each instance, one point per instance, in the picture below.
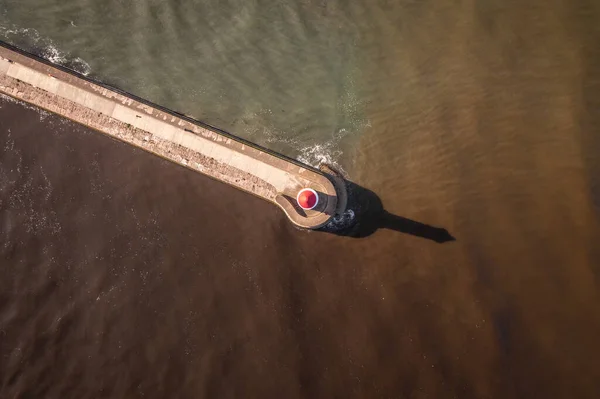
{"points": [[365, 214]]}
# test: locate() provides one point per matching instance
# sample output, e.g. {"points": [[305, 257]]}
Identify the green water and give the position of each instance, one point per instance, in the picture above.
{"points": [[283, 74]]}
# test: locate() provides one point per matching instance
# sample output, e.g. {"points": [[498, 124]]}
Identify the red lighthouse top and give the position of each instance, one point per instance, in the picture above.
{"points": [[307, 198]]}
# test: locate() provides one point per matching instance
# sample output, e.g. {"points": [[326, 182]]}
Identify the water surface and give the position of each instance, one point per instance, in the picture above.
{"points": [[139, 278]]}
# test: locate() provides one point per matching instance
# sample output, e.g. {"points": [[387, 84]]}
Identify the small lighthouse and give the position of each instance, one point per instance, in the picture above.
{"points": [[307, 198]]}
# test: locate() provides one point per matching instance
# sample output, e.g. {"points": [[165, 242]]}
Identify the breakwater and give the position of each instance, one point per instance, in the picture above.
{"points": [[170, 135]]}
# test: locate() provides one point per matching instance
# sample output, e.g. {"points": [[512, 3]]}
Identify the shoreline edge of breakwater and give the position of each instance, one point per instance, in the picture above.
{"points": [[170, 135]]}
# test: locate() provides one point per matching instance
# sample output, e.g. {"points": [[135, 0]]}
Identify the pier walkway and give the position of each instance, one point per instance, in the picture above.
{"points": [[168, 134]]}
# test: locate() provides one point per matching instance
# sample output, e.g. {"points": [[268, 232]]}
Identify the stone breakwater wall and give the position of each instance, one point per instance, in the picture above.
{"points": [[167, 134]]}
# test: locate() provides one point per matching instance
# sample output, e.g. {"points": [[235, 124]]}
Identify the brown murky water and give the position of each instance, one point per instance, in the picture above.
{"points": [[125, 276]]}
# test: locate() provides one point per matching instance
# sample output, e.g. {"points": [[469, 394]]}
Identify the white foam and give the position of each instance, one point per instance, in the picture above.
{"points": [[342, 221], [42, 113], [53, 55], [45, 47], [327, 152], [318, 154]]}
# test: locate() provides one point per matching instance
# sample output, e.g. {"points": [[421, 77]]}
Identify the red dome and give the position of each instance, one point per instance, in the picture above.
{"points": [[307, 198]]}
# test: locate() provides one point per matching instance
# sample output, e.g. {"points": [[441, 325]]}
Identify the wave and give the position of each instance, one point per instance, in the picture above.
{"points": [[318, 154], [30, 40], [314, 154], [41, 112]]}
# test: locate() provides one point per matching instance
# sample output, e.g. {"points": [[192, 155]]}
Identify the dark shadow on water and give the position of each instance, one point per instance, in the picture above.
{"points": [[369, 215]]}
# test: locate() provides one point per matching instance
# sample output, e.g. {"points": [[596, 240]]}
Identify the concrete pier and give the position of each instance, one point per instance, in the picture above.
{"points": [[170, 135]]}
